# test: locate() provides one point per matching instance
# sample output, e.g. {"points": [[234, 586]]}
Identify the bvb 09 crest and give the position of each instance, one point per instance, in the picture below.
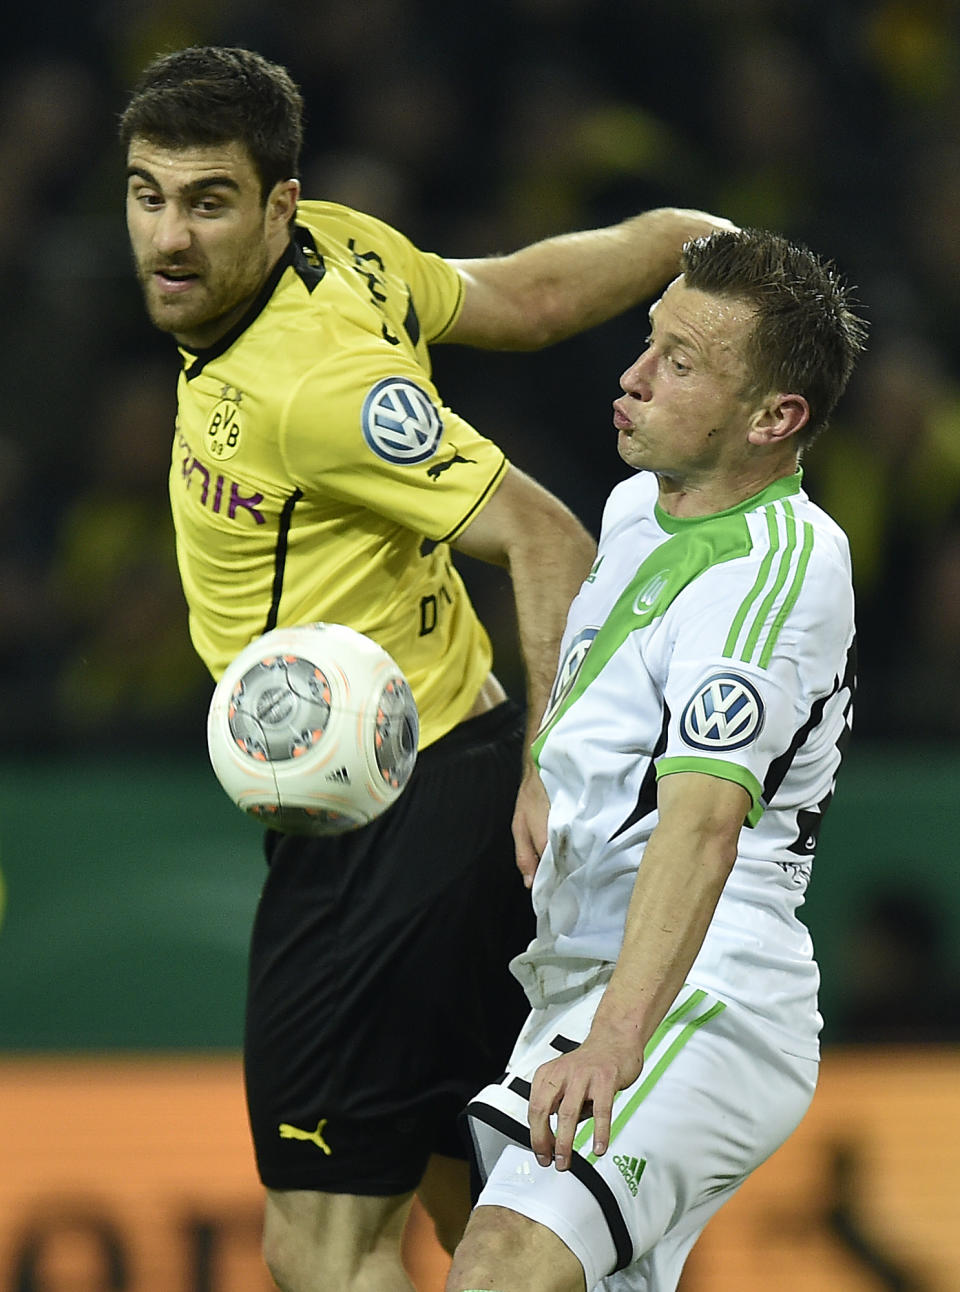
{"points": [[223, 428]]}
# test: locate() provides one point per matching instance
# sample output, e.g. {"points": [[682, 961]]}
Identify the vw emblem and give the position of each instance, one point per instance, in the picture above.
{"points": [[400, 422], [726, 713], [567, 672]]}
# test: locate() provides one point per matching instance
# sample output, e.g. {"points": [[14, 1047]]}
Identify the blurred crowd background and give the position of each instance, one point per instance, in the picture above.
{"points": [[476, 127]]}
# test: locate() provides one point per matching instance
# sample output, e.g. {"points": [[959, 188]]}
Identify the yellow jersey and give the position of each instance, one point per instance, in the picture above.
{"points": [[316, 474]]}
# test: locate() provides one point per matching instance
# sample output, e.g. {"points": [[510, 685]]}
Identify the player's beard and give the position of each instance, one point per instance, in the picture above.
{"points": [[216, 297]]}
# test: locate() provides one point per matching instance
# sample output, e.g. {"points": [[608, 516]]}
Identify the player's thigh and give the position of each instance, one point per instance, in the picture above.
{"points": [[444, 1192], [323, 1238], [512, 1253], [715, 1098]]}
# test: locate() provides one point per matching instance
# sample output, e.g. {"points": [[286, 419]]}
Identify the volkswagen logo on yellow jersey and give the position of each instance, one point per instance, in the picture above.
{"points": [[400, 422]]}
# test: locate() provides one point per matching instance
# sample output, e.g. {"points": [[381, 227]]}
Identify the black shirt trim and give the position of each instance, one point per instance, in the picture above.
{"points": [[411, 323], [477, 506], [280, 558], [302, 256]]}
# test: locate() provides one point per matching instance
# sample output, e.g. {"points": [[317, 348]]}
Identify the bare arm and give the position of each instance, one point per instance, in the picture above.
{"points": [[564, 285], [685, 866], [548, 553]]}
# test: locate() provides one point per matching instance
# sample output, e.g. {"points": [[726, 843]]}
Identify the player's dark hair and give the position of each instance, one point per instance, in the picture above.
{"points": [[208, 95], [805, 338]]}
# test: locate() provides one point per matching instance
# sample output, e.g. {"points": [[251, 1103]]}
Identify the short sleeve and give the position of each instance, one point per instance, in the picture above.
{"points": [[370, 429], [433, 286], [738, 698]]}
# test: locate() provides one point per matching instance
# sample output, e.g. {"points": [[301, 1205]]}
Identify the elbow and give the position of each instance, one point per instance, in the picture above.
{"points": [[720, 853], [541, 315], [548, 318]]}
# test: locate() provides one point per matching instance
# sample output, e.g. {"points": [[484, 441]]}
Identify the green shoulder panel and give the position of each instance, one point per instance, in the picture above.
{"points": [[657, 583]]}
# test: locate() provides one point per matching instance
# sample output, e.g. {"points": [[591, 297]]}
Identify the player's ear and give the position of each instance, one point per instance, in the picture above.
{"points": [[779, 417], [282, 202]]}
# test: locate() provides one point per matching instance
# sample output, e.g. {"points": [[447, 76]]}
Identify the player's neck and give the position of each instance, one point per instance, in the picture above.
{"points": [[689, 498]]}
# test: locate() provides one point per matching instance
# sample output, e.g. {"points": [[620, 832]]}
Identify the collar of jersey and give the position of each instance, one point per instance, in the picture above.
{"points": [[781, 488], [194, 361]]}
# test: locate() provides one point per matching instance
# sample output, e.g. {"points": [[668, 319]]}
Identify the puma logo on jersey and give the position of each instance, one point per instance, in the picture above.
{"points": [[314, 1137], [631, 1168], [438, 468]]}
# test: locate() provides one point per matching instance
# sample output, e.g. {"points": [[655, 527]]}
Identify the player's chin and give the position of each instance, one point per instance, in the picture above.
{"points": [[173, 315], [628, 448]]}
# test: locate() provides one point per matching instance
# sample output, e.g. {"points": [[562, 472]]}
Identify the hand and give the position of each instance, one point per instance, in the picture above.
{"points": [[578, 1085], [530, 824]]}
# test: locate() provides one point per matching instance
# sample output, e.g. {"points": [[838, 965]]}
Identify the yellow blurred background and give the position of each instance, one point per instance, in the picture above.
{"points": [[135, 1173]]}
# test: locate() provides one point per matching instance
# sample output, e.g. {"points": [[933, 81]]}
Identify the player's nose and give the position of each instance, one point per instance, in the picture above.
{"points": [[171, 232], [635, 380]]}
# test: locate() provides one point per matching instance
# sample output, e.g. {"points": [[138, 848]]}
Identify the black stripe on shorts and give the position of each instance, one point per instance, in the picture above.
{"points": [[585, 1173]]}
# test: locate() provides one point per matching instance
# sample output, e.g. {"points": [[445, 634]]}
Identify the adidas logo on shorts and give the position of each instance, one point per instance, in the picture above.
{"points": [[631, 1168]]}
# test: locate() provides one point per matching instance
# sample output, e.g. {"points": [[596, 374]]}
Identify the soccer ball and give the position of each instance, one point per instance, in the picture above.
{"points": [[313, 730]]}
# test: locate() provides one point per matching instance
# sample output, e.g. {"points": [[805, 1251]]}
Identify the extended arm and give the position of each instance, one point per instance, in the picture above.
{"points": [[564, 285], [684, 868], [548, 553]]}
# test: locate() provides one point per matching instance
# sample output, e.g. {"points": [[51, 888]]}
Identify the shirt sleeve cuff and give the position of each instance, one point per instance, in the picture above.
{"points": [[723, 771]]}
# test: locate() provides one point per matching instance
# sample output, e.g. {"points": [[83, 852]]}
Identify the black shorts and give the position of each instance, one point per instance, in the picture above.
{"points": [[379, 999]]}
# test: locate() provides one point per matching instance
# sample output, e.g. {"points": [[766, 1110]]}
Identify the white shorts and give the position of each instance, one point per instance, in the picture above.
{"points": [[713, 1101]]}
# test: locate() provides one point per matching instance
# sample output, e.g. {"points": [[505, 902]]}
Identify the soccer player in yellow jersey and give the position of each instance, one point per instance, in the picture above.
{"points": [[317, 474]]}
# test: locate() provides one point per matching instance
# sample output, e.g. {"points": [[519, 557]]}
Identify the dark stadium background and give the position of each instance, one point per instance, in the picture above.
{"points": [[475, 128]]}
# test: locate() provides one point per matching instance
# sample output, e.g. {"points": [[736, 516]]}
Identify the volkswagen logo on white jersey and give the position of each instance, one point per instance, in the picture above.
{"points": [[400, 422], [726, 713], [567, 672]]}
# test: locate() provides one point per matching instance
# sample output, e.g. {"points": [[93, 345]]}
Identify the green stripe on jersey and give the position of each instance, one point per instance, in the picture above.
{"points": [[780, 578], [724, 771], [762, 575], [696, 543], [659, 580], [791, 597], [782, 563], [685, 1031]]}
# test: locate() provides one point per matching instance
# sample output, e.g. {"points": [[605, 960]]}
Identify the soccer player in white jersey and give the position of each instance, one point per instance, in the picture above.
{"points": [[689, 751]]}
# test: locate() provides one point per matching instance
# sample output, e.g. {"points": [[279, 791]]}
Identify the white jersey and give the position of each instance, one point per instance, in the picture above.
{"points": [[723, 645]]}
